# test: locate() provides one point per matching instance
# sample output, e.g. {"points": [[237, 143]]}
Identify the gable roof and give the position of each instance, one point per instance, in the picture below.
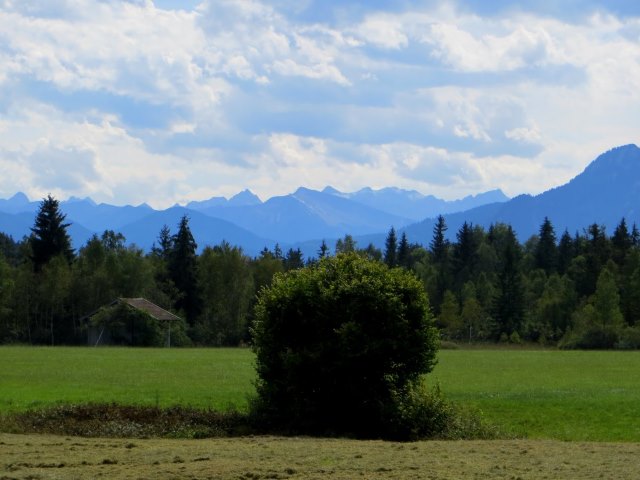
{"points": [[150, 308], [142, 304]]}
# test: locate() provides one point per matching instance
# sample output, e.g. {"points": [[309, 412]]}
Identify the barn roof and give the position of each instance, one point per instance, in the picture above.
{"points": [[152, 309], [144, 305]]}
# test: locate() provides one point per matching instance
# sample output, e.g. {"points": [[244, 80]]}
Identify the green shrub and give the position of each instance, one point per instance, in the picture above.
{"points": [[428, 414], [340, 347]]}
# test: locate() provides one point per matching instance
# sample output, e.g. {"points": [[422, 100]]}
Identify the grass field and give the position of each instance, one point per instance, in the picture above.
{"points": [[41, 376], [565, 395], [539, 394]]}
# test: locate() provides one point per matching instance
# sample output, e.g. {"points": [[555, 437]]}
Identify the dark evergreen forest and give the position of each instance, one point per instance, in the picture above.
{"points": [[569, 289]]}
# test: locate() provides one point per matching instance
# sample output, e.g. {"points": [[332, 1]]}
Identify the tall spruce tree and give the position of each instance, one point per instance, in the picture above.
{"points": [[391, 249], [546, 252], [464, 255], [183, 270], [597, 252], [508, 307], [621, 242], [165, 243], [323, 251], [566, 252], [49, 236], [404, 252], [293, 260], [439, 248]]}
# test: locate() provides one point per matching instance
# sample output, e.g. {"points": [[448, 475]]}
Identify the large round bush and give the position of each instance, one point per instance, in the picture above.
{"points": [[340, 347]]}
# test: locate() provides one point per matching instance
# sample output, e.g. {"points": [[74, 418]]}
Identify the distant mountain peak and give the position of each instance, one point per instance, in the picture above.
{"points": [[19, 198], [244, 198], [490, 196], [331, 191], [623, 160], [73, 199], [304, 191], [618, 154]]}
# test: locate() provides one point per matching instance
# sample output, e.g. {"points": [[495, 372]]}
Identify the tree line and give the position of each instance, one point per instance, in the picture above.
{"points": [[579, 291]]}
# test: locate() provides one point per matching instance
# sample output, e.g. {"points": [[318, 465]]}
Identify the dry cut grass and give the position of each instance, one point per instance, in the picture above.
{"points": [[49, 457]]}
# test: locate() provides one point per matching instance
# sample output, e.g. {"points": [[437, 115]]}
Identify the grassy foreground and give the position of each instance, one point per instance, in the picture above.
{"points": [[539, 394], [42, 456]]}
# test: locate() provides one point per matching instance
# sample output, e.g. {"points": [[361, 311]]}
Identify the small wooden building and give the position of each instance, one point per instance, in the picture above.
{"points": [[112, 331]]}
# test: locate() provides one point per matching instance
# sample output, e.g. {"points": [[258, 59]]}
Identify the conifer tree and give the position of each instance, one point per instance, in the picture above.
{"points": [[439, 249], [464, 254], [49, 236], [404, 252], [183, 270], [346, 245], [509, 303], [293, 260], [165, 243], [439, 246], [566, 252], [391, 249], [323, 251], [621, 242], [597, 253], [546, 253]]}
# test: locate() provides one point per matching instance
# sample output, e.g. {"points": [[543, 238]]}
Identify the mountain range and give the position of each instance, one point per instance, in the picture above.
{"points": [[290, 220], [607, 190]]}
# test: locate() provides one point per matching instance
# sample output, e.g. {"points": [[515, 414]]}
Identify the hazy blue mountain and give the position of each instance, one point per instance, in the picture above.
{"points": [[413, 204], [84, 214], [18, 225], [17, 204], [206, 230], [99, 218], [244, 198], [607, 190], [203, 204], [79, 234], [307, 214]]}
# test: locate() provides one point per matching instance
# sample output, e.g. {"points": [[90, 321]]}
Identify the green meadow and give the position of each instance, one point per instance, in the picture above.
{"points": [[564, 395]]}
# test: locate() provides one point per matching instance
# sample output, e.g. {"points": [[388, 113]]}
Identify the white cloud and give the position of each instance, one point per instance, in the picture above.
{"points": [[66, 156], [524, 134], [169, 105], [519, 47], [383, 31]]}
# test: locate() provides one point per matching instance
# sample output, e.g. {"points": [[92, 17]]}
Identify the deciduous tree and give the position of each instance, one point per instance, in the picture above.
{"points": [[340, 345]]}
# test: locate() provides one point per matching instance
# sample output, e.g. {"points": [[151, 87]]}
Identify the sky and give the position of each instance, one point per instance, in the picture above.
{"points": [[169, 101]]}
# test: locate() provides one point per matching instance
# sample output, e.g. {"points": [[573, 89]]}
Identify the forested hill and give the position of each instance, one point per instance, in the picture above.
{"points": [[606, 191]]}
